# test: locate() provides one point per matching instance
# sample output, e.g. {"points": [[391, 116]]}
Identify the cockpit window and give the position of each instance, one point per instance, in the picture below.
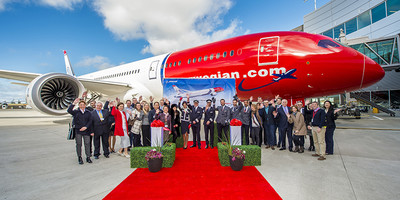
{"points": [[327, 44]]}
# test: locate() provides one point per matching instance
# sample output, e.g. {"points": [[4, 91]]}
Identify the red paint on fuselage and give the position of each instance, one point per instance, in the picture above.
{"points": [[320, 70]]}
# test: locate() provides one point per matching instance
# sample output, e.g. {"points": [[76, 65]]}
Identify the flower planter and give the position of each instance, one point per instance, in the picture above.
{"points": [[155, 164], [236, 164]]}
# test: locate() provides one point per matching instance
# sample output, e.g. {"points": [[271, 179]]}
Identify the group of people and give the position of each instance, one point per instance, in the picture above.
{"points": [[131, 122]]}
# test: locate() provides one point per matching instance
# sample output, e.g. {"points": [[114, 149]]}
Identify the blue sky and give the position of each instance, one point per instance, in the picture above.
{"points": [[103, 33]]}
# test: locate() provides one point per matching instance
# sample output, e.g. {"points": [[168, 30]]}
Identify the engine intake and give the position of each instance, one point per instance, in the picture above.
{"points": [[52, 93]]}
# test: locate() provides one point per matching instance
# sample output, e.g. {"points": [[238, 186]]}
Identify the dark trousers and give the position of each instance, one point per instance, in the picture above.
{"points": [[104, 141], [283, 132], [260, 136], [175, 133], [255, 135], [91, 142], [245, 134], [196, 134], [209, 129], [78, 141], [273, 130], [298, 140], [269, 134], [146, 135], [136, 140], [220, 128], [130, 134], [329, 139]]}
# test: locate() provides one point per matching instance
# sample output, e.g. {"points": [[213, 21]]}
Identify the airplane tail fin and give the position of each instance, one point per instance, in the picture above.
{"points": [[68, 67], [176, 88]]}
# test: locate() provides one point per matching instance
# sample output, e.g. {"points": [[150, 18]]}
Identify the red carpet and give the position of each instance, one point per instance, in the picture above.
{"points": [[196, 174]]}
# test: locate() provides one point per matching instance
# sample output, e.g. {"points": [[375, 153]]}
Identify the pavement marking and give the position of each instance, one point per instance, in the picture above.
{"points": [[377, 117]]}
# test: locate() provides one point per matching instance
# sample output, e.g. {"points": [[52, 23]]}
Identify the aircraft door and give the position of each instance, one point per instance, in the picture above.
{"points": [[153, 70], [268, 51]]}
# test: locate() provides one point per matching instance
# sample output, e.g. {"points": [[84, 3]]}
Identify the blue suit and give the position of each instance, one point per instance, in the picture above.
{"points": [[284, 128], [269, 125]]}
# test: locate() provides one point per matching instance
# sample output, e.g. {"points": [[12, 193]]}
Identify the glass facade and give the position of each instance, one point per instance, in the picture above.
{"points": [[378, 13], [351, 26], [392, 6], [365, 19], [336, 30], [382, 48]]}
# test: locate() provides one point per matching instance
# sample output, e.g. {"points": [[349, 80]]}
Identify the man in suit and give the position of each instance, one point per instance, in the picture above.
{"points": [[236, 110], [209, 115], [318, 128], [268, 124], [82, 123], [284, 128], [223, 119], [245, 114], [152, 113], [101, 129], [195, 117]]}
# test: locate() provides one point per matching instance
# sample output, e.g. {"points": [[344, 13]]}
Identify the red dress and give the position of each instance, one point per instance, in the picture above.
{"points": [[118, 131]]}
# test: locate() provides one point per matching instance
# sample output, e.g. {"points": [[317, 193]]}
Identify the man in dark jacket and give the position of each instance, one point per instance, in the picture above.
{"points": [[223, 120], [284, 128], [82, 122], [209, 116], [195, 117], [152, 113], [245, 115], [268, 124], [101, 129], [318, 128]]}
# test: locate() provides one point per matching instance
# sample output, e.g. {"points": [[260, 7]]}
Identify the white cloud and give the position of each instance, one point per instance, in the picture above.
{"points": [[9, 91], [61, 4], [98, 62], [167, 25]]}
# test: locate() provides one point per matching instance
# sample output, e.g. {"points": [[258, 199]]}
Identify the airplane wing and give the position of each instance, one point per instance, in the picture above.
{"points": [[104, 87], [18, 76]]}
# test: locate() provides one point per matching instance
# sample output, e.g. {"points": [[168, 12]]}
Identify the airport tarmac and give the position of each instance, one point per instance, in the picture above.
{"points": [[37, 162]]}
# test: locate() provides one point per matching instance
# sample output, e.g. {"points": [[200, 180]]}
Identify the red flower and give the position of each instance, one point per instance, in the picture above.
{"points": [[157, 123], [236, 122]]}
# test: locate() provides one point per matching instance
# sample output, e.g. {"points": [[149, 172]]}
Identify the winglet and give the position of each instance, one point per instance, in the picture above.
{"points": [[68, 67]]}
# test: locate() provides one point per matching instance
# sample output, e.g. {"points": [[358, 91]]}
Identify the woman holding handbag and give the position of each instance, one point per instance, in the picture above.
{"points": [[299, 129]]}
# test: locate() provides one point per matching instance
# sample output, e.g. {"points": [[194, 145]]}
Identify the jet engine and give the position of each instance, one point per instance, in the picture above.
{"points": [[52, 93]]}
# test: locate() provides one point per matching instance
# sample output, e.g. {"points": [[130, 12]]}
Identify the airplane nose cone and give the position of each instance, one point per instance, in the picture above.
{"points": [[373, 72]]}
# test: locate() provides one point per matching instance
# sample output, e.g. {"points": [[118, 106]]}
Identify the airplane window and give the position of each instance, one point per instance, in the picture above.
{"points": [[189, 61], [211, 56], [170, 64], [327, 44], [199, 58], [179, 63], [138, 70], [217, 56], [225, 53], [174, 64], [194, 60], [232, 52], [205, 58]]}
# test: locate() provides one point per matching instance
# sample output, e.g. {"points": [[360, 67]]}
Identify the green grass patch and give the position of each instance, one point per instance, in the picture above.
{"points": [[253, 154], [138, 154]]}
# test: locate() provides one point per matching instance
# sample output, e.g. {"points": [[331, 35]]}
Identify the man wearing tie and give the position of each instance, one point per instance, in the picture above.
{"points": [[268, 124], [209, 115], [245, 114], [195, 117], [101, 129], [224, 114], [284, 128]]}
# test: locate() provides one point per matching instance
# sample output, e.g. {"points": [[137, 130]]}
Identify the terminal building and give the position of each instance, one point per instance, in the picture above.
{"points": [[371, 27]]}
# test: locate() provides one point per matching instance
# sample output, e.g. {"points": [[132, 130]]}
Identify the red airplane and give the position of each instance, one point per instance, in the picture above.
{"points": [[294, 65]]}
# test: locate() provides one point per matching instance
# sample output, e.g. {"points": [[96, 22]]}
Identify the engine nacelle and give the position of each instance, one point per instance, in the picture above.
{"points": [[52, 93]]}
